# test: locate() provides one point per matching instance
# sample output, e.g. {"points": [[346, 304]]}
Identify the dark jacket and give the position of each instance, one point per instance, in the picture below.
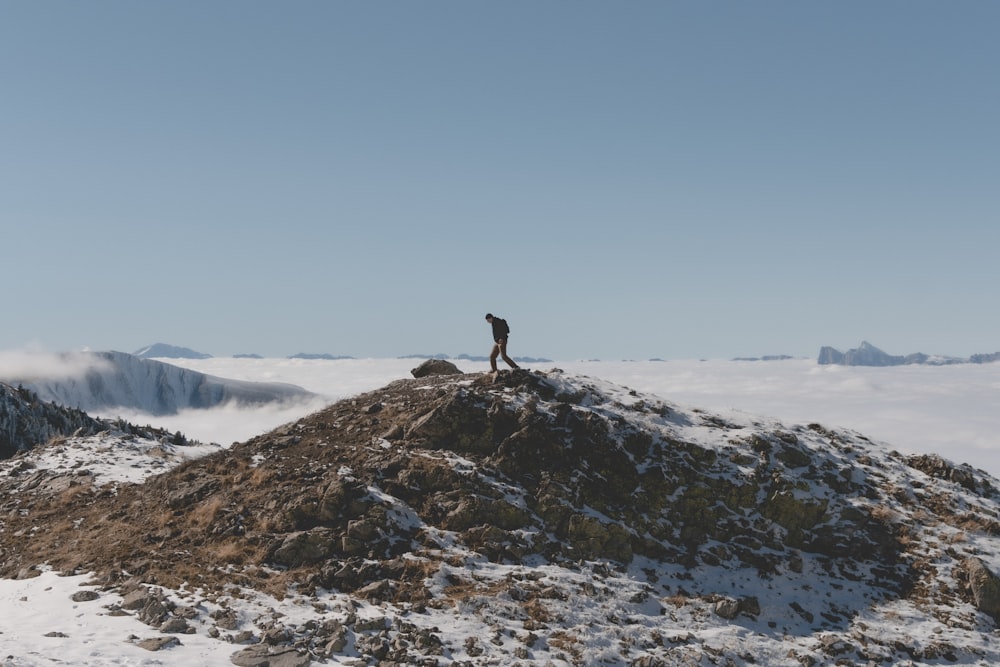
{"points": [[500, 328]]}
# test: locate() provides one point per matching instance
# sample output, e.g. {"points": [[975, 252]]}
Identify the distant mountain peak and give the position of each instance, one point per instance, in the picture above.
{"points": [[165, 351], [867, 354]]}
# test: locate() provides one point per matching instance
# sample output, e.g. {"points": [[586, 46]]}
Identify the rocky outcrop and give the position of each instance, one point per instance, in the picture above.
{"points": [[435, 367], [26, 421]]}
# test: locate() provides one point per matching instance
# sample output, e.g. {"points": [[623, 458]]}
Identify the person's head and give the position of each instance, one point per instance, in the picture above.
{"points": [[489, 317]]}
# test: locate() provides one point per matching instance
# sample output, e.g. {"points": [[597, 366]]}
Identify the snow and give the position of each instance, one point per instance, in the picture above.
{"points": [[949, 410], [112, 457], [35, 608]]}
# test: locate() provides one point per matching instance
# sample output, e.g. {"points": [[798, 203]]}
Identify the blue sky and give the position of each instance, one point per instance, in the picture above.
{"points": [[618, 180]]}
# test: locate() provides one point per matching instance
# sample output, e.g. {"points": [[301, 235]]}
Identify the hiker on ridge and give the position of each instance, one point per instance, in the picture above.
{"points": [[500, 333]]}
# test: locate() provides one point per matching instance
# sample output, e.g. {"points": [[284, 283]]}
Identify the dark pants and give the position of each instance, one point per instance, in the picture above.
{"points": [[500, 349]]}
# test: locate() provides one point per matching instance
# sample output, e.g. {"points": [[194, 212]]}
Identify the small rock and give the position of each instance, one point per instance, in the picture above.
{"points": [[84, 596], [727, 608], [394, 433], [226, 619], [158, 643], [270, 656], [175, 625]]}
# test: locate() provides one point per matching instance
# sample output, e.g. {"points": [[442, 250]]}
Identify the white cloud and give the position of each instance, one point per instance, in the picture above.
{"points": [[32, 364], [225, 424]]}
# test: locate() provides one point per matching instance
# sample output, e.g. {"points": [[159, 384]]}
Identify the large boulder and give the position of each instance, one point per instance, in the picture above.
{"points": [[984, 586], [435, 367]]}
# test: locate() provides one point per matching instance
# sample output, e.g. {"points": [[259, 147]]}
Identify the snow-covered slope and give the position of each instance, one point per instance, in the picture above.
{"points": [[119, 380], [543, 519]]}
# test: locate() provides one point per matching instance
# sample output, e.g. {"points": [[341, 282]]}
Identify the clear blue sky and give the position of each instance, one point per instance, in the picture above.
{"points": [[618, 180]]}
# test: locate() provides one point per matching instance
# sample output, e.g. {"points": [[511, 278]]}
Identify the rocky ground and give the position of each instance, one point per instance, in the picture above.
{"points": [[536, 518]]}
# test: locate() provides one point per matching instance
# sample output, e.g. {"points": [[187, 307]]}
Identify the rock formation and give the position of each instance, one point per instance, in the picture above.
{"points": [[435, 367], [26, 420]]}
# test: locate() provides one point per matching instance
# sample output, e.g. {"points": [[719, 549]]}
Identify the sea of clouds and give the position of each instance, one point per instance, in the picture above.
{"points": [[946, 410]]}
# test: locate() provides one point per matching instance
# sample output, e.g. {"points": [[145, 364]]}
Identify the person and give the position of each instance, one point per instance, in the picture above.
{"points": [[500, 333]]}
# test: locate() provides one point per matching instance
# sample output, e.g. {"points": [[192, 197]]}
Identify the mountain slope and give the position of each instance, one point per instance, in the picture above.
{"points": [[119, 380], [26, 421], [548, 518]]}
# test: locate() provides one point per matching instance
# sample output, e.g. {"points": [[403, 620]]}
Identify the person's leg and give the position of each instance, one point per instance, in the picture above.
{"points": [[502, 345], [493, 356]]}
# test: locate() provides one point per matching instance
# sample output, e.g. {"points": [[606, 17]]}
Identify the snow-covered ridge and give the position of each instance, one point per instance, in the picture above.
{"points": [[109, 457], [105, 380]]}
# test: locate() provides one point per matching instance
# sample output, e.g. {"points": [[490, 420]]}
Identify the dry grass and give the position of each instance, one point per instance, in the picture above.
{"points": [[234, 551], [205, 512], [260, 477], [74, 492], [537, 611], [957, 538], [884, 514], [677, 600], [571, 644]]}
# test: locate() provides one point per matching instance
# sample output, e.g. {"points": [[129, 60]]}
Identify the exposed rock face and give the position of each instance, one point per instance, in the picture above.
{"points": [[26, 420], [435, 367], [454, 490]]}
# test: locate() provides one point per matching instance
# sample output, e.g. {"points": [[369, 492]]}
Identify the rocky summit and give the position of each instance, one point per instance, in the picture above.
{"points": [[539, 518]]}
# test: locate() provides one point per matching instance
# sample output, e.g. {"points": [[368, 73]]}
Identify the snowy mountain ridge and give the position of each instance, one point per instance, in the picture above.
{"points": [[119, 380], [542, 518]]}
